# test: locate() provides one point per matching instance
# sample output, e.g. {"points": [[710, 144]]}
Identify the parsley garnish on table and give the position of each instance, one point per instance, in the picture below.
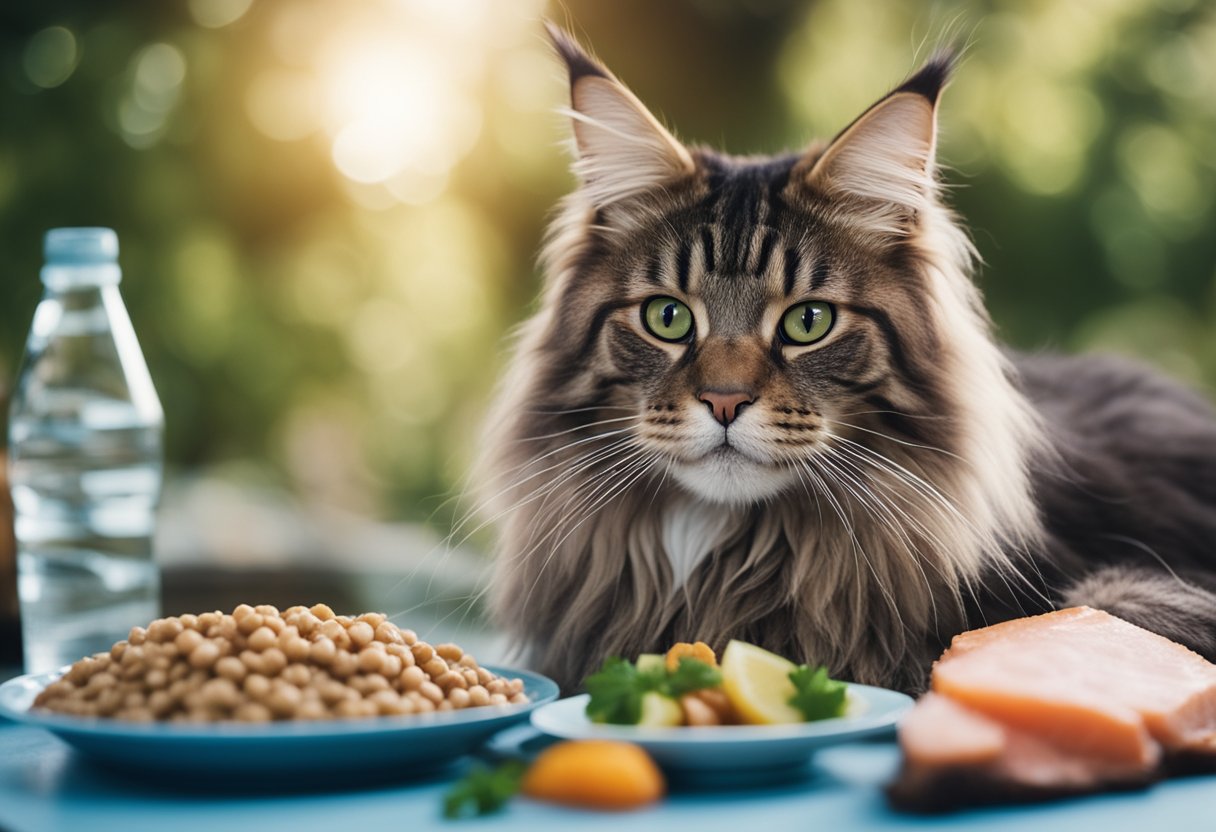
{"points": [[817, 695], [483, 790], [617, 688]]}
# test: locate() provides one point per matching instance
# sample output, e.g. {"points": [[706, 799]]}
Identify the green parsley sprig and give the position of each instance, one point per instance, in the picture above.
{"points": [[817, 695], [483, 790], [618, 686]]}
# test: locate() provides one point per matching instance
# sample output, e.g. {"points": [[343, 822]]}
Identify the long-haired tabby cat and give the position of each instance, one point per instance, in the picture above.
{"points": [[762, 400]]}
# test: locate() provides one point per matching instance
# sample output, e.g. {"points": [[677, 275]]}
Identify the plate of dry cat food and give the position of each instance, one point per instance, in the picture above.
{"points": [[256, 692], [753, 716]]}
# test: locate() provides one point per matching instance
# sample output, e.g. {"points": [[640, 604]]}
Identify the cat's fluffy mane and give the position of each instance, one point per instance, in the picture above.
{"points": [[584, 568]]}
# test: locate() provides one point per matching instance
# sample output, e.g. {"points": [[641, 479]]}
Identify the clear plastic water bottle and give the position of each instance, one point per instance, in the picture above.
{"points": [[85, 460]]}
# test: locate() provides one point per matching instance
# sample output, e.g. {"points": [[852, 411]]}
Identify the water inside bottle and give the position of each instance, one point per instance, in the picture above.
{"points": [[85, 491]]}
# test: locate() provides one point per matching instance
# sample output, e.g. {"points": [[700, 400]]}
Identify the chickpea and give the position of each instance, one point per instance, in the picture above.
{"points": [[189, 621], [188, 640], [412, 678], [375, 619], [138, 635], [479, 696], [208, 619], [257, 686], [344, 664], [252, 661], [361, 633], [388, 633], [250, 623], [322, 611], [117, 650], [322, 651], [160, 703], [296, 674], [391, 666], [496, 686], [109, 701], [252, 712], [451, 679], [450, 652], [423, 652], [311, 709], [284, 699], [261, 639], [459, 697], [220, 693], [241, 611], [204, 655], [371, 661], [231, 668], [498, 699], [431, 691], [409, 637], [228, 627], [385, 701], [308, 624], [273, 661], [154, 679], [348, 708], [170, 628]]}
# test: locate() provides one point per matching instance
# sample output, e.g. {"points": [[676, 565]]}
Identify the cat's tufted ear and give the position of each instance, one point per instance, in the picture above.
{"points": [[886, 158], [622, 149]]}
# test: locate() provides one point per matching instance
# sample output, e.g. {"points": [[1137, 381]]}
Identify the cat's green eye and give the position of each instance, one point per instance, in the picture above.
{"points": [[667, 318], [806, 323]]}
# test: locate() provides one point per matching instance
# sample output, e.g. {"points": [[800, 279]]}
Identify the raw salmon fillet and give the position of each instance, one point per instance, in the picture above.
{"points": [[1054, 704]]}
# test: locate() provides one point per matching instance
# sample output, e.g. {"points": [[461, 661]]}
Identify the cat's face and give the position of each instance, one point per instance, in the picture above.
{"points": [[748, 313], [751, 329]]}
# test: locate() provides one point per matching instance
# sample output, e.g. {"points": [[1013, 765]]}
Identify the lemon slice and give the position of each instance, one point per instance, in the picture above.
{"points": [[758, 684]]}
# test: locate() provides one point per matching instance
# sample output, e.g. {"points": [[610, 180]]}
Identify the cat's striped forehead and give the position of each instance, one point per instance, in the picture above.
{"points": [[739, 244]]}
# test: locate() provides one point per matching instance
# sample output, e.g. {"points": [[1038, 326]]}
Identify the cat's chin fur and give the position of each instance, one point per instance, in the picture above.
{"points": [[728, 477]]}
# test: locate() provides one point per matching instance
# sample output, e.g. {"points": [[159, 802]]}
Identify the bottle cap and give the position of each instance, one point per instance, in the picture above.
{"points": [[81, 246], [80, 257]]}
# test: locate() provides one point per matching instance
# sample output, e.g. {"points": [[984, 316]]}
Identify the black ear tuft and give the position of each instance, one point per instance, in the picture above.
{"points": [[578, 62], [933, 76]]}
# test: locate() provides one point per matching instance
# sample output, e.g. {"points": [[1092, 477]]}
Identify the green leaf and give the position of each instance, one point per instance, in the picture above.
{"points": [[817, 695], [691, 675], [483, 790], [618, 686], [616, 691]]}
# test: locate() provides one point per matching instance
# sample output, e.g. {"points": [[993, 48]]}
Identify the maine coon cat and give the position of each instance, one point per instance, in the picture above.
{"points": [[761, 399]]}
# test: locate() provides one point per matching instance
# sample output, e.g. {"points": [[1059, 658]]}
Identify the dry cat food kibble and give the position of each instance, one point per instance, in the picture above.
{"points": [[257, 665]]}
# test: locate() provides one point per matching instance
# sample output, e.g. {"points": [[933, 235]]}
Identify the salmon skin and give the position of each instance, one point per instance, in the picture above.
{"points": [[1064, 703]]}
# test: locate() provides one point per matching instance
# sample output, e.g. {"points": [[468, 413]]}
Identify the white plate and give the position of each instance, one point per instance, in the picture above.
{"points": [[734, 750]]}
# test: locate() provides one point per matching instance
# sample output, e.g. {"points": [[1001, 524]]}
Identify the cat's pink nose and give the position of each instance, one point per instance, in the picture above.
{"points": [[725, 405]]}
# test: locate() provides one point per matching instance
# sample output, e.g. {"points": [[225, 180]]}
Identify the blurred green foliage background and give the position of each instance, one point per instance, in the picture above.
{"points": [[329, 210]]}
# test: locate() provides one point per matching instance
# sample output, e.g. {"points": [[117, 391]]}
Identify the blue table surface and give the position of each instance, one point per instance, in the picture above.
{"points": [[45, 786]]}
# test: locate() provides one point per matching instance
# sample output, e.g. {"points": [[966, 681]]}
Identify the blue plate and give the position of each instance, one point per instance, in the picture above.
{"points": [[735, 754], [419, 742]]}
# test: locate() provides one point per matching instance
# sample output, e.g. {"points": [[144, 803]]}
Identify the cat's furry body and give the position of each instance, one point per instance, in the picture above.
{"points": [[885, 488]]}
